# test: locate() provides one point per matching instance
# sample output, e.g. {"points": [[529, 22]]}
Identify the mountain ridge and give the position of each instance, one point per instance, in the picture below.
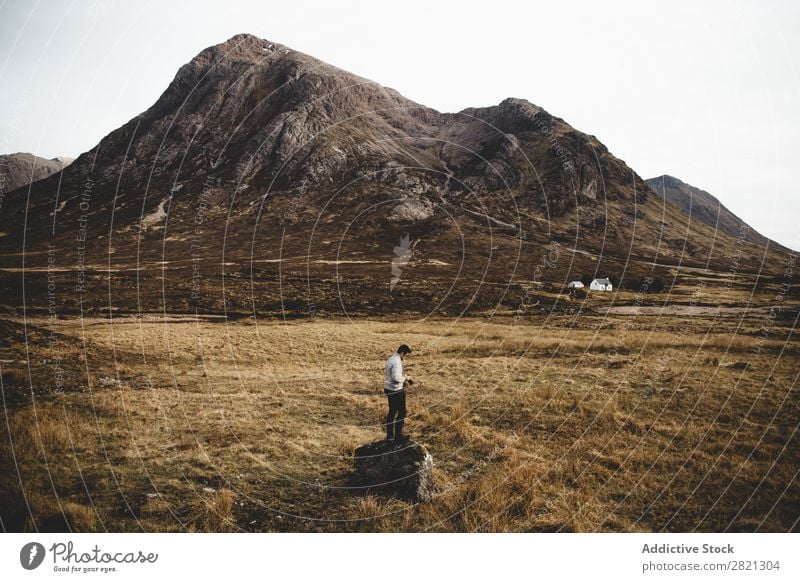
{"points": [[22, 169], [255, 153], [707, 208]]}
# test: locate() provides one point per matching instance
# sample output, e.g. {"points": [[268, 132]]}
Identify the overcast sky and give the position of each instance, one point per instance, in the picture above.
{"points": [[708, 92]]}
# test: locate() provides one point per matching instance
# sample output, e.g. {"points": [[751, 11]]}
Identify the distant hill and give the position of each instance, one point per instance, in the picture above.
{"points": [[702, 206], [20, 169]]}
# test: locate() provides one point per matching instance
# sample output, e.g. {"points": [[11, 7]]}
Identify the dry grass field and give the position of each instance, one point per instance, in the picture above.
{"points": [[567, 423]]}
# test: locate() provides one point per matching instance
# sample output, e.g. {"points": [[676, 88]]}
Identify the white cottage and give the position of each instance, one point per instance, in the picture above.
{"points": [[574, 285], [600, 285]]}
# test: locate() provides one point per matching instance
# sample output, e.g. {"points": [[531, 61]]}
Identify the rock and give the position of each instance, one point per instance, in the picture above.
{"points": [[411, 210], [739, 366], [406, 470]]}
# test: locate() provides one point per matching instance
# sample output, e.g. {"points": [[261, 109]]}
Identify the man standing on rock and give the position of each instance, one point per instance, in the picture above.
{"points": [[395, 390]]}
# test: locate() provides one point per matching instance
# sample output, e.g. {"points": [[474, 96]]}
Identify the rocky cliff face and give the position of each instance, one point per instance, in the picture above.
{"points": [[263, 178]]}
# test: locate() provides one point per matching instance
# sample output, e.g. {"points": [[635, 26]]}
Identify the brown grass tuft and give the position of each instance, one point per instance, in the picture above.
{"points": [[52, 515], [214, 512]]}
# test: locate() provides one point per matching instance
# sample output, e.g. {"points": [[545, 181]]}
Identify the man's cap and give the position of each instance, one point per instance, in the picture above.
{"points": [[404, 349]]}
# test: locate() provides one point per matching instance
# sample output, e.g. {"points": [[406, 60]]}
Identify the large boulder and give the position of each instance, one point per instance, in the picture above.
{"points": [[406, 469]]}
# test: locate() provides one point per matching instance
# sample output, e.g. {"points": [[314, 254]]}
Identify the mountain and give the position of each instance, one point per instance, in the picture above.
{"points": [[263, 179], [20, 169], [702, 206]]}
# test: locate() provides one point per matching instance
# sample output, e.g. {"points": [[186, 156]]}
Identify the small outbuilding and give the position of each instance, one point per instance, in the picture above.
{"points": [[600, 285], [575, 285]]}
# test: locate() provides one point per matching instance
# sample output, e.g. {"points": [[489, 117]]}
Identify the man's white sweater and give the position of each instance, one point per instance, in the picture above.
{"points": [[394, 373]]}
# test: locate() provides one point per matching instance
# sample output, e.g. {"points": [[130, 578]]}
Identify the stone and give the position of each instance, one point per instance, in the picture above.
{"points": [[405, 470]]}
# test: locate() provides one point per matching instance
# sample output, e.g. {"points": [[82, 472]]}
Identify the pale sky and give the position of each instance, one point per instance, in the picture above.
{"points": [[705, 91]]}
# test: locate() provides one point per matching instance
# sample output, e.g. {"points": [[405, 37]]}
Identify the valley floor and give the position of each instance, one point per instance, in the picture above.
{"points": [[647, 422]]}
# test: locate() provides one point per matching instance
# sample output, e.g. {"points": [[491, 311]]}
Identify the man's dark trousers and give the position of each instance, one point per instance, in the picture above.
{"points": [[397, 408]]}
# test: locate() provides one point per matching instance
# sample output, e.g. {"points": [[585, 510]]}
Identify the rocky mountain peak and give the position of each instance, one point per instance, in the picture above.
{"points": [[256, 149], [667, 181]]}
